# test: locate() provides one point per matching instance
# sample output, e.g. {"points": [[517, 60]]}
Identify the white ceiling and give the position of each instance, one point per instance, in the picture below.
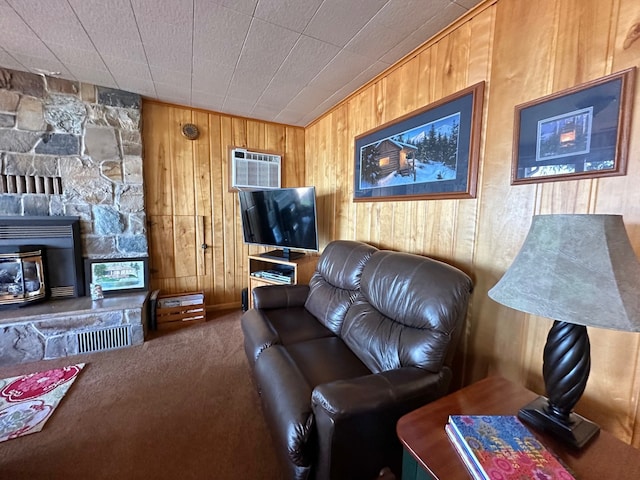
{"points": [[286, 61]]}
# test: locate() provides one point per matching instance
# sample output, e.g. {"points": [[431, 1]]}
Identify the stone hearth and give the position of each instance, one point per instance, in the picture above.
{"points": [[71, 326]]}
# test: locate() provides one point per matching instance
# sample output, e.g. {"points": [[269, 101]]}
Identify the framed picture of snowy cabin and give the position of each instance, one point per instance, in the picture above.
{"points": [[431, 153]]}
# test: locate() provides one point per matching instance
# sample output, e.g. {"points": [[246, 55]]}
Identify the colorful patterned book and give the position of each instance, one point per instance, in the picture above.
{"points": [[475, 472], [501, 447]]}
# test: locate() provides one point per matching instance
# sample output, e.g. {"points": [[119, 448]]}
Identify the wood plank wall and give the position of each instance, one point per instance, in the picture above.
{"points": [[188, 202], [523, 50]]}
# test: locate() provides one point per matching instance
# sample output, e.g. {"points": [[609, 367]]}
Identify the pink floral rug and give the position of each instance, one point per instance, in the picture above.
{"points": [[27, 401]]}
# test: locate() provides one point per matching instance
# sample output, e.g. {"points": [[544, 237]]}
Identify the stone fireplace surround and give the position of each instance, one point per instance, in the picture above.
{"points": [[73, 149]]}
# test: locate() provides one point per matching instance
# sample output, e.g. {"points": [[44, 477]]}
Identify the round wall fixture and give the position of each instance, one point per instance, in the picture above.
{"points": [[190, 131]]}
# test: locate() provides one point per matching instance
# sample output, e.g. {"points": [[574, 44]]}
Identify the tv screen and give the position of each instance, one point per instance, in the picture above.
{"points": [[282, 218]]}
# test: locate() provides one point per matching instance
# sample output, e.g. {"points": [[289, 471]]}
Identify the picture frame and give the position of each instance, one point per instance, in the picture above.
{"points": [[430, 153], [117, 275], [580, 132]]}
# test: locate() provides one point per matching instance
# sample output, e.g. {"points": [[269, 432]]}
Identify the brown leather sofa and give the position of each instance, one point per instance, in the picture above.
{"points": [[338, 361]]}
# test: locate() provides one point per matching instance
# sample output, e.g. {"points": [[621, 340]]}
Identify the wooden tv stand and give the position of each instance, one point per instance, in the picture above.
{"points": [[298, 270]]}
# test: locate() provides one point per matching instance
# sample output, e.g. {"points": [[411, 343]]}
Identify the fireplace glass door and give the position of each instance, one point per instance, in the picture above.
{"points": [[21, 277]]}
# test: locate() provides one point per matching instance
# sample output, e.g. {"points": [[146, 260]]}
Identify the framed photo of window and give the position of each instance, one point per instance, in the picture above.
{"points": [[581, 132]]}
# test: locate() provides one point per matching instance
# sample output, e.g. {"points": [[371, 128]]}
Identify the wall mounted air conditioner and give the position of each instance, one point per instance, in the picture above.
{"points": [[254, 169]]}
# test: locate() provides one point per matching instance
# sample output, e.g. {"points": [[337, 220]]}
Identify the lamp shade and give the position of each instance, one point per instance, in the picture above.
{"points": [[579, 269]]}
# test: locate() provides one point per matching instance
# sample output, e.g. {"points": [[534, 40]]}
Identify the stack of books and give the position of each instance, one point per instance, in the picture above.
{"points": [[501, 447]]}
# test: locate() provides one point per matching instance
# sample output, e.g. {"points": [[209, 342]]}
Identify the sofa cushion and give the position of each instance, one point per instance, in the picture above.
{"points": [[263, 328], [408, 312], [334, 284], [325, 360]]}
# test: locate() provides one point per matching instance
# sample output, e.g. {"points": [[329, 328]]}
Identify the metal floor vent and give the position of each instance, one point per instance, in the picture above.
{"points": [[104, 339]]}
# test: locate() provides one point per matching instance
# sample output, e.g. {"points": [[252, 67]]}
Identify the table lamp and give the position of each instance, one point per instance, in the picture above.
{"points": [[580, 271]]}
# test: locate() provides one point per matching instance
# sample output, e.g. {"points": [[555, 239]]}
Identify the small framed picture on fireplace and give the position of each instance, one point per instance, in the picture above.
{"points": [[117, 275]]}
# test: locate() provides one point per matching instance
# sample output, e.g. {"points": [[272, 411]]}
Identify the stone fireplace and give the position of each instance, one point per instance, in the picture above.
{"points": [[70, 149]]}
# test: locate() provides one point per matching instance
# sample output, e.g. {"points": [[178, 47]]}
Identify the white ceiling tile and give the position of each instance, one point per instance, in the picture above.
{"points": [[277, 94], [119, 46], [436, 23], [210, 76], [341, 69], [266, 47], [308, 98], [265, 111], [374, 40], [173, 91], [24, 44], [173, 77], [174, 12], [219, 33], [10, 21], [53, 21], [112, 27], [366, 75], [115, 16], [408, 44], [101, 78], [318, 111], [410, 13], [337, 21], [248, 84], [35, 64], [301, 66], [141, 88], [290, 117], [291, 14], [70, 55], [207, 100], [444, 17], [129, 73], [168, 46], [243, 6], [238, 106], [7, 61], [468, 4]]}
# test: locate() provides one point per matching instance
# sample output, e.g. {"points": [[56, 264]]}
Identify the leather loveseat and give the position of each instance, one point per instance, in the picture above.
{"points": [[338, 361]]}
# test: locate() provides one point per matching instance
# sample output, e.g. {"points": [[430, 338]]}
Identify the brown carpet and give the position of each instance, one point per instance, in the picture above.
{"points": [[180, 406]]}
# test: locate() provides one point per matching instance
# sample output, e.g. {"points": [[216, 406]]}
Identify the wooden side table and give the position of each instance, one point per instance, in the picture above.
{"points": [[429, 455]]}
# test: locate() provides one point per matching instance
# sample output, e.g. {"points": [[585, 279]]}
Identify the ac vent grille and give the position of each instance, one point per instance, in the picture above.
{"points": [[102, 339]]}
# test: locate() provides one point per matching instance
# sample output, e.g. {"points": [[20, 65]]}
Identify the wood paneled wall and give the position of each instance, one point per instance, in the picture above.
{"points": [[188, 202], [523, 50]]}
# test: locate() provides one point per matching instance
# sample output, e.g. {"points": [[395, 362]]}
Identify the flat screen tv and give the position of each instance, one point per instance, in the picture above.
{"points": [[280, 218]]}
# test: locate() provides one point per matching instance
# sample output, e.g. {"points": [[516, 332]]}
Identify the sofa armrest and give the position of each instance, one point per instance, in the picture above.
{"points": [[356, 419], [280, 296], [408, 386]]}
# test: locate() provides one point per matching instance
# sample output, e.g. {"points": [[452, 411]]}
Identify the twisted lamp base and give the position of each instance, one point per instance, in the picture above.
{"points": [[567, 362]]}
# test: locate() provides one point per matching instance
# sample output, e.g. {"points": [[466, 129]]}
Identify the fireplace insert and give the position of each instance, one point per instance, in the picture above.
{"points": [[59, 239], [22, 279]]}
